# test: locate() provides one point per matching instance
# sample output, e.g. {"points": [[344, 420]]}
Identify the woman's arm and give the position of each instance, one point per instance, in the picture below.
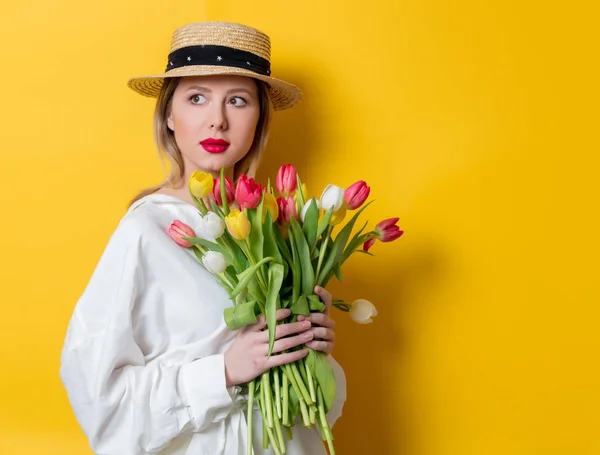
{"points": [[124, 405]]}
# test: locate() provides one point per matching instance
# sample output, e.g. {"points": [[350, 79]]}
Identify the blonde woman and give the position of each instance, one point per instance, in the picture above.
{"points": [[148, 363]]}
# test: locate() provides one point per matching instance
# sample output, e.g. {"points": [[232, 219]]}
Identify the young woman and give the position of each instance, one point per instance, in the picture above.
{"points": [[148, 363]]}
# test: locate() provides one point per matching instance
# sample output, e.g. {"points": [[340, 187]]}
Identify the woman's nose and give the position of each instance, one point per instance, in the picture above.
{"points": [[218, 119]]}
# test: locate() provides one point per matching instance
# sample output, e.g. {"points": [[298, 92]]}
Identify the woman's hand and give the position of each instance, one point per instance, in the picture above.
{"points": [[322, 325], [246, 358]]}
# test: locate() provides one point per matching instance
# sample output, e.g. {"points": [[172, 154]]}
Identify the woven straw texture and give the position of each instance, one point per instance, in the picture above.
{"points": [[283, 94]]}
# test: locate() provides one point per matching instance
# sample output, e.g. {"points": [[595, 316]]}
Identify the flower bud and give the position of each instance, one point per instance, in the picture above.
{"points": [[229, 190], [178, 230], [270, 204], [214, 262], [306, 207], [247, 193], [332, 197], [338, 216], [356, 194], [387, 230], [238, 224], [287, 210], [362, 311], [200, 184], [213, 226], [286, 181]]}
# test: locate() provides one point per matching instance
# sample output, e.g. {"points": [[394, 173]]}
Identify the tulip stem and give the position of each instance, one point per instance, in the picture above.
{"points": [[250, 414], [322, 252]]}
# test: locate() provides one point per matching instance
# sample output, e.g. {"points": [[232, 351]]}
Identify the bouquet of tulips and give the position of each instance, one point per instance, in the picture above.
{"points": [[269, 253]]}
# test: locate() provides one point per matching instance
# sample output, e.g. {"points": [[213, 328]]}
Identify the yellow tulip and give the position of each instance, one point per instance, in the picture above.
{"points": [[271, 205], [338, 216], [201, 184], [238, 224]]}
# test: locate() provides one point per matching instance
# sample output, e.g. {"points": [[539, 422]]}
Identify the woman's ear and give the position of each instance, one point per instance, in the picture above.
{"points": [[170, 123]]}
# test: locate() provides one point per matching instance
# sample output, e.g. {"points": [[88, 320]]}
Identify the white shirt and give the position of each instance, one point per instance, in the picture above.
{"points": [[143, 361]]}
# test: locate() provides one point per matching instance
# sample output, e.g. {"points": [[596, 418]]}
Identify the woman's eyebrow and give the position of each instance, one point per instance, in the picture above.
{"points": [[206, 89]]}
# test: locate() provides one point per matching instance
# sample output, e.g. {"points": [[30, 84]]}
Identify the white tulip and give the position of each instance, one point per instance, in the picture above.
{"points": [[362, 311], [306, 206], [214, 262], [333, 196], [213, 226]]}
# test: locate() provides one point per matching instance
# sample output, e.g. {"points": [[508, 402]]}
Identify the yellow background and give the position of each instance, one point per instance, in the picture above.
{"points": [[474, 122]]}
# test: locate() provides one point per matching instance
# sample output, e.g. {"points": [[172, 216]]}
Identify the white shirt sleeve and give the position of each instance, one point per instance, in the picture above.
{"points": [[125, 405]]}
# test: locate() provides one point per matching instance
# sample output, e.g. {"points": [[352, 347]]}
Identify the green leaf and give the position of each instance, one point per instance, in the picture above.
{"points": [[309, 226], [296, 272], [284, 249], [270, 245], [256, 233], [223, 189], [308, 274], [211, 246], [338, 272], [322, 370], [324, 222], [300, 194], [275, 281], [247, 275], [300, 306], [241, 315], [254, 289], [216, 208], [315, 304], [338, 247]]}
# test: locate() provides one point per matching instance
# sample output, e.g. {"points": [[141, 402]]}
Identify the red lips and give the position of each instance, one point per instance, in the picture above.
{"points": [[213, 141], [212, 145]]}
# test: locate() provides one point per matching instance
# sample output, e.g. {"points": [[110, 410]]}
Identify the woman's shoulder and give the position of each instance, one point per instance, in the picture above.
{"points": [[149, 217]]}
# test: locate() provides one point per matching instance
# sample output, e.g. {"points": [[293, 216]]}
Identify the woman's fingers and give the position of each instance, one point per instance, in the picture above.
{"points": [[323, 346], [288, 357], [323, 333], [262, 322], [326, 297], [322, 320], [291, 342], [284, 330]]}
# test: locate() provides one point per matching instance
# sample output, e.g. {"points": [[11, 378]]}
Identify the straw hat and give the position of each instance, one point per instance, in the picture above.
{"points": [[209, 48]]}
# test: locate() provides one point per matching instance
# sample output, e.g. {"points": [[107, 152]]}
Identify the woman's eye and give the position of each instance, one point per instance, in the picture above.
{"points": [[197, 99], [238, 101]]}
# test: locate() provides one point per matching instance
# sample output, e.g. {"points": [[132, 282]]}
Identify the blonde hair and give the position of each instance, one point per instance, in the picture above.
{"points": [[167, 146]]}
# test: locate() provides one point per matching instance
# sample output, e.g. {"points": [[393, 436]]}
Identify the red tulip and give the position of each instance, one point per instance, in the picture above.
{"points": [[287, 210], [385, 231], [178, 230], [356, 194], [229, 189], [248, 193], [286, 181]]}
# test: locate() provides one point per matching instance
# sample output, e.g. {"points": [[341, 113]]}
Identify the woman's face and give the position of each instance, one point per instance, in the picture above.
{"points": [[208, 110]]}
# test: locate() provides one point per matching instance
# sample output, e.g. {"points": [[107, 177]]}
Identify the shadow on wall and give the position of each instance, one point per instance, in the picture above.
{"points": [[379, 396]]}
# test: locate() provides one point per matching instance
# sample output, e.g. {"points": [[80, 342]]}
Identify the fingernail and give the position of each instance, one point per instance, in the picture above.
{"points": [[300, 318], [306, 324]]}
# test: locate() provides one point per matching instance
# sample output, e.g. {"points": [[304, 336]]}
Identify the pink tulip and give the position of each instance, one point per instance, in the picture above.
{"points": [[287, 210], [229, 190], [178, 230], [356, 194], [286, 181], [248, 193], [385, 231]]}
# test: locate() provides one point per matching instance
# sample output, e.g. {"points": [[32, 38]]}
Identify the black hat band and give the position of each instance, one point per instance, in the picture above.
{"points": [[218, 56]]}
